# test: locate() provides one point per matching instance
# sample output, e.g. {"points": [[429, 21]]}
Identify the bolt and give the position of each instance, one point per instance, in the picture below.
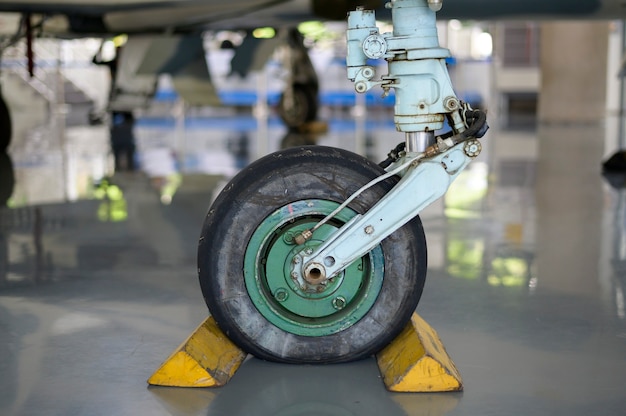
{"points": [[369, 229], [288, 237], [472, 148], [308, 251], [281, 295], [294, 275], [296, 260], [368, 73], [451, 104], [339, 303]]}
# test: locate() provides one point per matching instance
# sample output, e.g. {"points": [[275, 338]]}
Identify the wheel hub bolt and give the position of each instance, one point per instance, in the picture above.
{"points": [[339, 303], [288, 238], [281, 294]]}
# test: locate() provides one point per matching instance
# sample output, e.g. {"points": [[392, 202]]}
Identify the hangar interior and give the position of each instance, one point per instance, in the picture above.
{"points": [[526, 252]]}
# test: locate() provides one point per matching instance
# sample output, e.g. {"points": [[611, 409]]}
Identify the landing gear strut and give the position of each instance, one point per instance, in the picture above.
{"points": [[315, 254]]}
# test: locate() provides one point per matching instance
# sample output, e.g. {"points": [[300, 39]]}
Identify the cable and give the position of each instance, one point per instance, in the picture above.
{"points": [[305, 235]]}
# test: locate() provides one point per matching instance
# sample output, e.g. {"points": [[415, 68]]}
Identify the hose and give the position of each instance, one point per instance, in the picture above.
{"points": [[476, 120]]}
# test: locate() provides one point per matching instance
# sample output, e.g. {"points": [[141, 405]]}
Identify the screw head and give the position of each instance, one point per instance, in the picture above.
{"points": [[281, 294], [288, 237], [339, 303], [472, 148], [451, 104]]}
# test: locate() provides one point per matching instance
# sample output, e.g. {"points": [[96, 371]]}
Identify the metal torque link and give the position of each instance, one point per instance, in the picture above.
{"points": [[424, 100]]}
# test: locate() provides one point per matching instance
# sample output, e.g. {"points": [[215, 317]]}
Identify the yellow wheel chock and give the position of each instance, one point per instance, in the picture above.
{"points": [[416, 361], [206, 359]]}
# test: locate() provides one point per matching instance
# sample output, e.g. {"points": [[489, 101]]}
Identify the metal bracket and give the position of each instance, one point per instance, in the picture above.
{"points": [[417, 68], [423, 183]]}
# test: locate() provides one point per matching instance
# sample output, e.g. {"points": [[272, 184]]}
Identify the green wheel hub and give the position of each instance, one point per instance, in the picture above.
{"points": [[272, 273]]}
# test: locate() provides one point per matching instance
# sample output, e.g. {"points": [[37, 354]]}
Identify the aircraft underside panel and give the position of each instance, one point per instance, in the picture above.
{"points": [[144, 58]]}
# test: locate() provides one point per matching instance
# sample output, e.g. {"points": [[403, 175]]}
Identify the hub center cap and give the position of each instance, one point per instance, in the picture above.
{"points": [[315, 274]]}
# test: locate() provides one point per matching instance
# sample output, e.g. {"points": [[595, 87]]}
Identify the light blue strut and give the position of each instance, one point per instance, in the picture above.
{"points": [[424, 99], [417, 66]]}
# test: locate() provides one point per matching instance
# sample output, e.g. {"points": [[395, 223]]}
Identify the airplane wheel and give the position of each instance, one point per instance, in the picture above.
{"points": [[5, 125], [299, 110], [247, 258]]}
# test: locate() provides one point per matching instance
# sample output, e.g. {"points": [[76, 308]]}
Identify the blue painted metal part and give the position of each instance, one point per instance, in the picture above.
{"points": [[417, 64]]}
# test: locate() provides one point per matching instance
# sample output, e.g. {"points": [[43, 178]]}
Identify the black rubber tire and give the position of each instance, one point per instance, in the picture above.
{"points": [[6, 129], [304, 108], [309, 172]]}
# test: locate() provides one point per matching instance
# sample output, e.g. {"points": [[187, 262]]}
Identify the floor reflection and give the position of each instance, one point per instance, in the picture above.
{"points": [[21, 229], [269, 389]]}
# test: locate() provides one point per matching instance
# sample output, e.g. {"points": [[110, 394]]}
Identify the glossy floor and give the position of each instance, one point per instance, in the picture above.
{"points": [[527, 275]]}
